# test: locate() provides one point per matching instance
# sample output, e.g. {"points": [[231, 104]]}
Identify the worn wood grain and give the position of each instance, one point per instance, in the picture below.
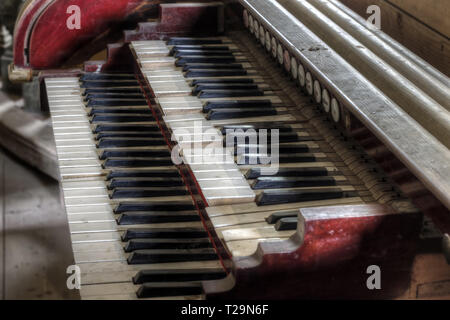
{"points": [[433, 13]]}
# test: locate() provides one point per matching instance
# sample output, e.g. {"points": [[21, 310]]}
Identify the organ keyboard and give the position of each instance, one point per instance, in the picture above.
{"points": [[133, 223], [201, 164]]}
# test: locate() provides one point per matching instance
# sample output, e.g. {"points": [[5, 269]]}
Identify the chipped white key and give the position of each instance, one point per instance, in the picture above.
{"points": [[149, 44], [228, 196], [156, 62]]}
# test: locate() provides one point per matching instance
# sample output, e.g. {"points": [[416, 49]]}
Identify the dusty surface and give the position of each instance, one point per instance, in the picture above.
{"points": [[35, 247]]}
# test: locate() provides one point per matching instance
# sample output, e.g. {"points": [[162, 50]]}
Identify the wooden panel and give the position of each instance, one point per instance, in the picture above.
{"points": [[433, 13], [430, 278], [352, 237], [423, 40]]}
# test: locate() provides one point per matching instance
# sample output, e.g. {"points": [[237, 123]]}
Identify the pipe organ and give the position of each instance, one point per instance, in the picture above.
{"points": [[238, 149]]}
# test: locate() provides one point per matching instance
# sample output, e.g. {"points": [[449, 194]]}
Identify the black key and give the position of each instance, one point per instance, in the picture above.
{"points": [[134, 154], [169, 275], [164, 233], [222, 114], [282, 132], [128, 135], [289, 172], [131, 142], [269, 197], [224, 93], [274, 217], [209, 73], [145, 244], [197, 47], [231, 104], [145, 182], [118, 111], [99, 96], [137, 163], [217, 66], [172, 255], [125, 142], [154, 206], [308, 138], [172, 289], [106, 84], [129, 193], [258, 126], [122, 118], [188, 53], [107, 76], [292, 182], [204, 59], [283, 158], [142, 173], [212, 81], [291, 148], [283, 137], [239, 150], [123, 127], [130, 218], [125, 90], [191, 41], [116, 102], [224, 86], [286, 224], [294, 157]]}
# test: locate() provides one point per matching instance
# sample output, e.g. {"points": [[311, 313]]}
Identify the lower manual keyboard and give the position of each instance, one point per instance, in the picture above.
{"points": [[135, 229]]}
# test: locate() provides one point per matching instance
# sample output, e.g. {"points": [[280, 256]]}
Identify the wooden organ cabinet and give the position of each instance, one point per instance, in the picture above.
{"points": [[359, 126]]}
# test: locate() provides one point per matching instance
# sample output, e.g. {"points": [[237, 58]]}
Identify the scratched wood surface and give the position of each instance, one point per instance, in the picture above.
{"points": [[433, 13]]}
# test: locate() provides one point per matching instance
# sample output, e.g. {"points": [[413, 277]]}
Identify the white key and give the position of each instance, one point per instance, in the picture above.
{"points": [[149, 44]]}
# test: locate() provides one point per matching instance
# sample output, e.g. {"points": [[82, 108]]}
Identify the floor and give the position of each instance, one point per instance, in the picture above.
{"points": [[35, 247]]}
